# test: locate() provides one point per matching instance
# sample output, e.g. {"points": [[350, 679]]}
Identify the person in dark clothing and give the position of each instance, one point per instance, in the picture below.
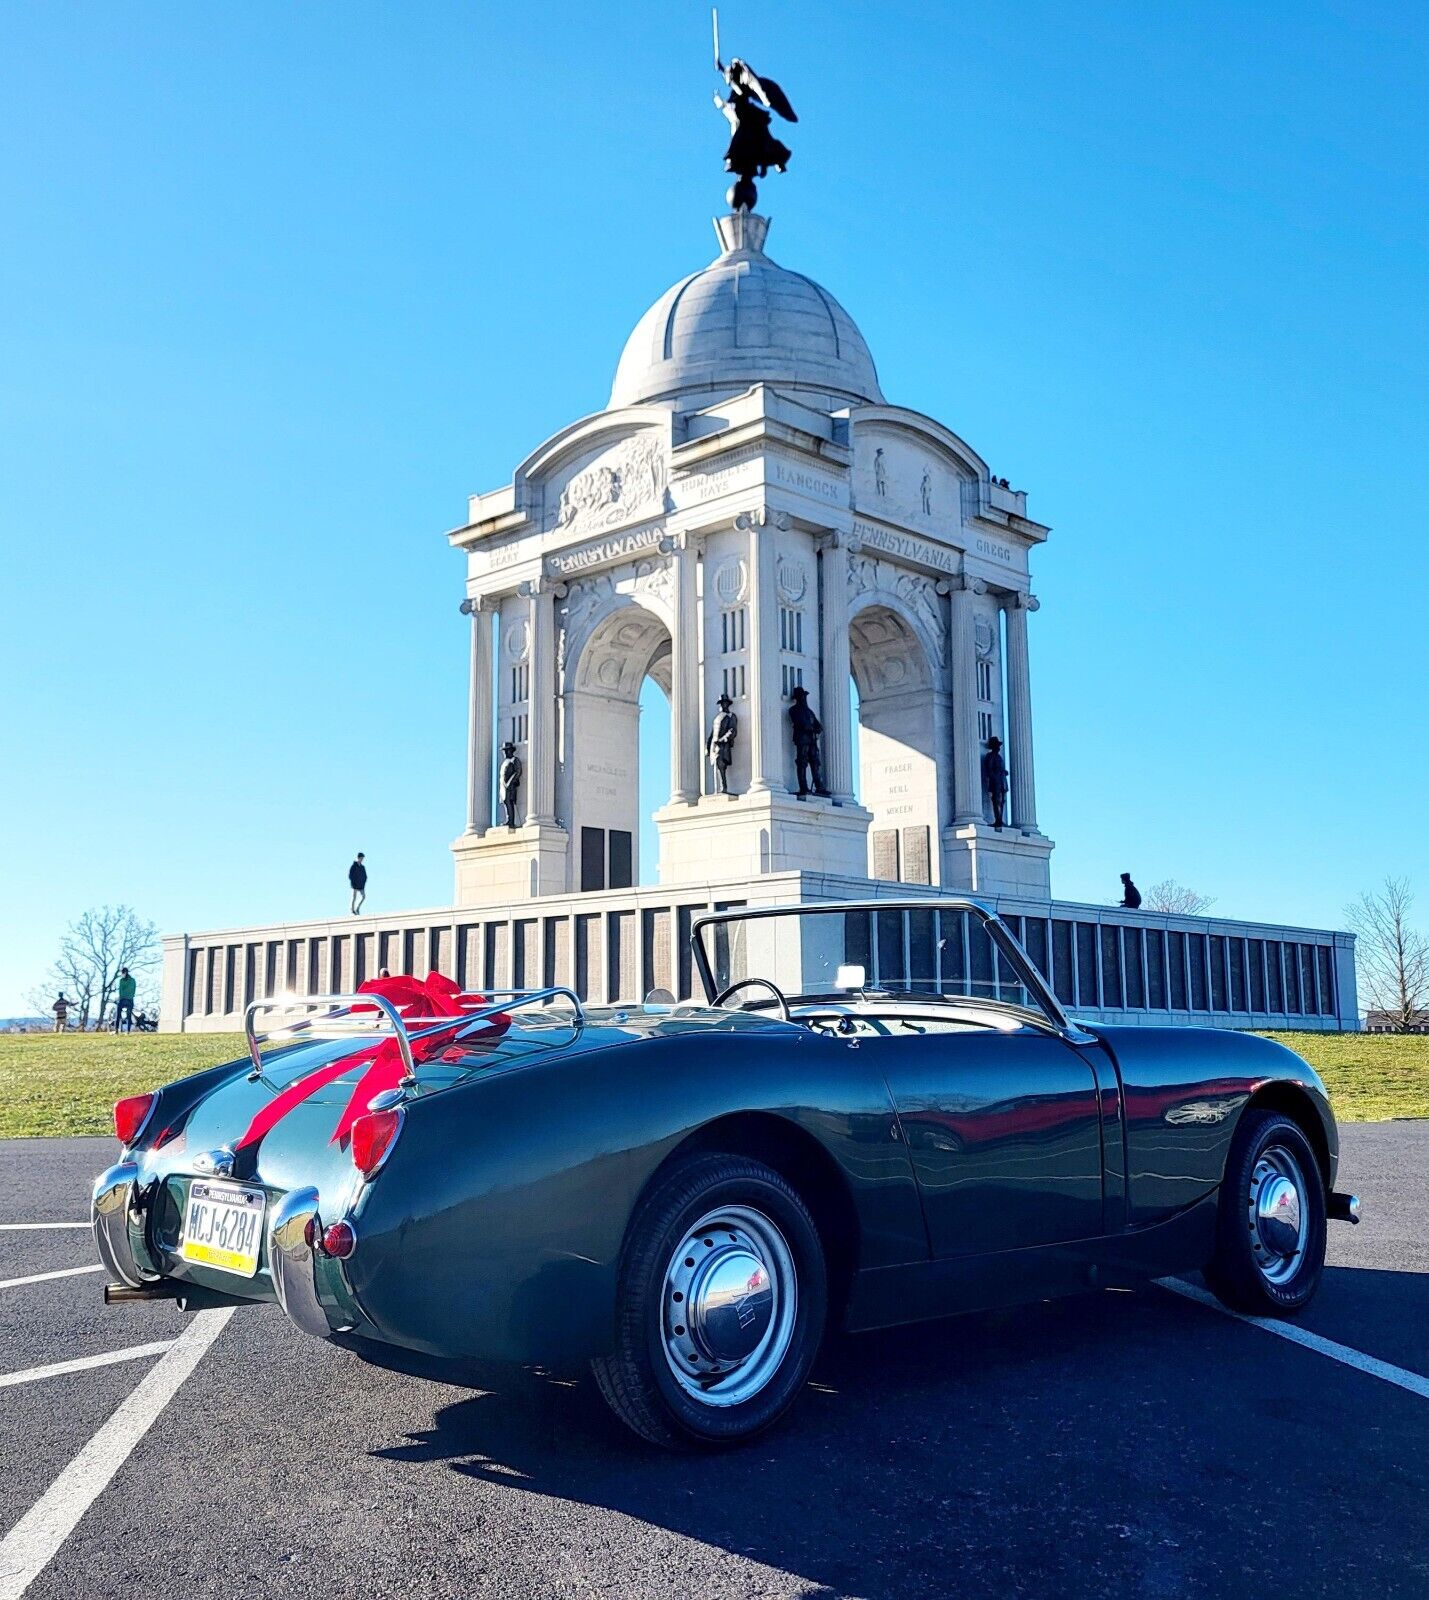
{"points": [[357, 877], [1130, 894], [124, 1000]]}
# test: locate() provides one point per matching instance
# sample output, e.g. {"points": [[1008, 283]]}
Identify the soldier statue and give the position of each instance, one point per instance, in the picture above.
{"points": [[721, 742], [753, 149], [510, 781], [994, 780], [807, 729]]}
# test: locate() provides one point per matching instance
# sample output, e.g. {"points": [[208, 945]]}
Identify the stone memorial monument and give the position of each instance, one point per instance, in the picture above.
{"points": [[751, 524]]}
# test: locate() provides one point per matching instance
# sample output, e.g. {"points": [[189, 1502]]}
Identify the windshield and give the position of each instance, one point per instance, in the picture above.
{"points": [[811, 951]]}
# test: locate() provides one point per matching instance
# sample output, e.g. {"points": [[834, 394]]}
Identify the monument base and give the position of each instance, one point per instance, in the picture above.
{"points": [[981, 859], [747, 835], [511, 863]]}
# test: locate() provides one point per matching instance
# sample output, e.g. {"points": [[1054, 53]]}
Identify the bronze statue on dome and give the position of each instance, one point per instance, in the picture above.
{"points": [[752, 149]]}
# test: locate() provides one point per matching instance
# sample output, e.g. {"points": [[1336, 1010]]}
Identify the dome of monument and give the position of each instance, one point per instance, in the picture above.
{"points": [[744, 320]]}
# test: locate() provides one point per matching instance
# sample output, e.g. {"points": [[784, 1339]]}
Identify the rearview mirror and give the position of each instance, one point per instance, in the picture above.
{"points": [[849, 978]]}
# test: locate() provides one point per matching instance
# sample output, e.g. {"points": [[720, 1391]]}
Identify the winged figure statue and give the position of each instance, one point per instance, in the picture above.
{"points": [[750, 108]]}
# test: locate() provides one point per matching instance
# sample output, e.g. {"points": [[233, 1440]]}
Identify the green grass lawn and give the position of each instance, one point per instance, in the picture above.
{"points": [[57, 1083], [67, 1083], [1370, 1076]]}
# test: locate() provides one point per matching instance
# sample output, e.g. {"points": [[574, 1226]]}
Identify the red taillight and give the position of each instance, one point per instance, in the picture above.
{"points": [[373, 1136], [129, 1116], [339, 1239]]}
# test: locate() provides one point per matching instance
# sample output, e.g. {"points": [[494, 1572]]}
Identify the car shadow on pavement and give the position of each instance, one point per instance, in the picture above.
{"points": [[1104, 1441]]}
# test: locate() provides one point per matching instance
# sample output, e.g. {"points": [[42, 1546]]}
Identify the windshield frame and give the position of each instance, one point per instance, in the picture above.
{"points": [[1008, 947]]}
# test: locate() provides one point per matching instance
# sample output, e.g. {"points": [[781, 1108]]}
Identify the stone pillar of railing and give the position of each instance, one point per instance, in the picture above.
{"points": [[967, 757], [1021, 780]]}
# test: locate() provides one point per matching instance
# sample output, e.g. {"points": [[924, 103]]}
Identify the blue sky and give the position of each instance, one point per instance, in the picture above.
{"points": [[282, 285]]}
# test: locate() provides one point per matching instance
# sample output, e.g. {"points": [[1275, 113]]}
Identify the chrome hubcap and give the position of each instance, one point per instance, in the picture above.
{"points": [[728, 1308], [1276, 1214]]}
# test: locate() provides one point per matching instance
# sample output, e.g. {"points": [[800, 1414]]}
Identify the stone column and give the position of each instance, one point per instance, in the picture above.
{"points": [[540, 774], [685, 717], [833, 683], [479, 725], [1021, 785], [967, 756], [766, 702]]}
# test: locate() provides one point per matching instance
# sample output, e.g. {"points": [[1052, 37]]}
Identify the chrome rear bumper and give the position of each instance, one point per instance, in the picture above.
{"points": [[117, 1213], [311, 1287]]}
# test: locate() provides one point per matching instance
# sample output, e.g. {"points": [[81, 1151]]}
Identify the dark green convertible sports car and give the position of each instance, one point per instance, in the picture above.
{"points": [[881, 1115]]}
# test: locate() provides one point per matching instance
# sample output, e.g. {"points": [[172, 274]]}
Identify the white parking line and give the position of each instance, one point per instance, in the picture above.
{"points": [[44, 1277], [32, 1543], [31, 1227], [82, 1363], [1343, 1353]]}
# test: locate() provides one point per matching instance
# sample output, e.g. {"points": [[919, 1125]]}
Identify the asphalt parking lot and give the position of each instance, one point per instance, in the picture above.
{"points": [[1137, 1444]]}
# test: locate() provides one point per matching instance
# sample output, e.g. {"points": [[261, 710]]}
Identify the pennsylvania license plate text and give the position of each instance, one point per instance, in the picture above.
{"points": [[223, 1227]]}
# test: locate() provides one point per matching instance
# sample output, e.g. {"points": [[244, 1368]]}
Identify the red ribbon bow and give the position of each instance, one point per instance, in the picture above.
{"points": [[414, 999]]}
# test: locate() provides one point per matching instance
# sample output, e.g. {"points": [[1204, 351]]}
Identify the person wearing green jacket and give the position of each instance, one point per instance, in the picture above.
{"points": [[124, 1003]]}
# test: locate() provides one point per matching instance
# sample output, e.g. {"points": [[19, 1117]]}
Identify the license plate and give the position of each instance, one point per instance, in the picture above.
{"points": [[224, 1227]]}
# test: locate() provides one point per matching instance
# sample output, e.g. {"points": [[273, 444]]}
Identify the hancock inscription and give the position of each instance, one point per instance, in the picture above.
{"points": [[627, 483], [810, 483]]}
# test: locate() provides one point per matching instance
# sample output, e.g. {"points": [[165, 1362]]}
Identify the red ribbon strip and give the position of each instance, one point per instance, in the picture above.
{"points": [[439, 996]]}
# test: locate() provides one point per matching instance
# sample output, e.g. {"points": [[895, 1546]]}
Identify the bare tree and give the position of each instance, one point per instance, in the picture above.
{"points": [[95, 946], [1168, 895], [1392, 957]]}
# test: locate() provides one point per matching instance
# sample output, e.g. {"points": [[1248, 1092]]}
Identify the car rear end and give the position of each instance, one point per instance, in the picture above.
{"points": [[192, 1212]]}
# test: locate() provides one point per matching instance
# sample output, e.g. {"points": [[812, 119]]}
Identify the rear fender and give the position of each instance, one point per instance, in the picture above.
{"points": [[495, 1229], [1185, 1091]]}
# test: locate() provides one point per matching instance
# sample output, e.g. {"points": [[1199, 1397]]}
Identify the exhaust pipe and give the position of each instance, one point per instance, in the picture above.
{"points": [[123, 1294], [1343, 1207]]}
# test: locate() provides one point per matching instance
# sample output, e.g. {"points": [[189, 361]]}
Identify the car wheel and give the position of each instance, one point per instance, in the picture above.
{"points": [[721, 1302], [1270, 1236]]}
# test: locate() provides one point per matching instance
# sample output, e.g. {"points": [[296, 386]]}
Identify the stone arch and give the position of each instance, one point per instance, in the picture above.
{"points": [[902, 738], [598, 780]]}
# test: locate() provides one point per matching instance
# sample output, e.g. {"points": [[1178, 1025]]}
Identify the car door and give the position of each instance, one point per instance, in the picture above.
{"points": [[1004, 1133]]}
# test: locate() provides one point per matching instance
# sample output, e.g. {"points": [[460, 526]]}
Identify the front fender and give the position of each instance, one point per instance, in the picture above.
{"points": [[495, 1229]]}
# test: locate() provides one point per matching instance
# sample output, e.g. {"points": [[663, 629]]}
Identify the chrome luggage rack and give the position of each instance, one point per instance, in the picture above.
{"points": [[337, 1006]]}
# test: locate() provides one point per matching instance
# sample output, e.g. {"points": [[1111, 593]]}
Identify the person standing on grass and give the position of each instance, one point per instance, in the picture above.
{"points": [[357, 877], [61, 1011], [124, 1002]]}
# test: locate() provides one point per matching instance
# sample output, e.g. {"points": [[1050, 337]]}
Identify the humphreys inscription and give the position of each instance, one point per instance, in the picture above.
{"points": [[733, 472], [902, 544]]}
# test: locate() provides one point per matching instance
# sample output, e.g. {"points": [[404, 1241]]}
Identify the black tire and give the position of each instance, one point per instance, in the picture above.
{"points": [[1249, 1272], [638, 1379]]}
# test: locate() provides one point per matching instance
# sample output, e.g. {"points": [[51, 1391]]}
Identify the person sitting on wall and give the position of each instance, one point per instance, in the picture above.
{"points": [[1130, 894]]}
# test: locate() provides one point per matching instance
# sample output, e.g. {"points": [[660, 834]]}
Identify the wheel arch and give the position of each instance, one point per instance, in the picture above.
{"points": [[1290, 1100], [806, 1164]]}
